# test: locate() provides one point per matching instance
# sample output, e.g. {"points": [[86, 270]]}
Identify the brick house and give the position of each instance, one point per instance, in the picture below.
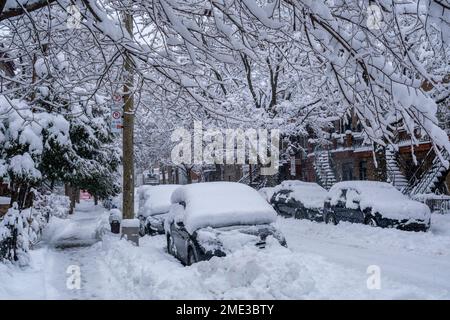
{"points": [[345, 157]]}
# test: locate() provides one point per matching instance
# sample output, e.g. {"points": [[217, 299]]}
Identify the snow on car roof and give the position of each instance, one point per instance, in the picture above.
{"points": [[310, 194], [382, 197], [221, 204], [156, 199]]}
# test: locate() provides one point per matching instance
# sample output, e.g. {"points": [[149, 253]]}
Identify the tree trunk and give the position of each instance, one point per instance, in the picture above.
{"points": [[169, 175], [73, 198], [95, 199], [188, 176], [163, 171], [128, 127]]}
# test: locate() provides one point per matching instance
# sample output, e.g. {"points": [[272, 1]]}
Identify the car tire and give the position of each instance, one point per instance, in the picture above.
{"points": [[330, 219], [371, 221], [191, 257]]}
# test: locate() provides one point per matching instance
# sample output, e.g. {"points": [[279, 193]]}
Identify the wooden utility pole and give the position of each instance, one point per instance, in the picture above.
{"points": [[128, 128]]}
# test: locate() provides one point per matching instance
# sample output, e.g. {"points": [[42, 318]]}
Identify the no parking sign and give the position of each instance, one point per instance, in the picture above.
{"points": [[116, 115]]}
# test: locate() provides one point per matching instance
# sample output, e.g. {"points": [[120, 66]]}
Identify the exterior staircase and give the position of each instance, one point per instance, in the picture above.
{"points": [[396, 177], [325, 174], [430, 179]]}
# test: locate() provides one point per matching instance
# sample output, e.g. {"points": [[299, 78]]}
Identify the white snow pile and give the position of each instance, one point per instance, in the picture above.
{"points": [[82, 228], [381, 197], [310, 194], [115, 215], [249, 273], [155, 200], [221, 204]]}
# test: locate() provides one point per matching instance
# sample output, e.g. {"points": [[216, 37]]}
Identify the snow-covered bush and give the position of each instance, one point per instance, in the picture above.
{"points": [[59, 205], [14, 236], [52, 205], [21, 229]]}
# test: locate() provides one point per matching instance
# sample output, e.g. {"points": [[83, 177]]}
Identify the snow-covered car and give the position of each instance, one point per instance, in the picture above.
{"points": [[298, 199], [154, 204], [216, 218], [376, 204]]}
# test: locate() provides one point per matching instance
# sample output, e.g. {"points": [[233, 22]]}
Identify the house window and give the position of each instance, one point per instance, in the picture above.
{"points": [[363, 170], [347, 171]]}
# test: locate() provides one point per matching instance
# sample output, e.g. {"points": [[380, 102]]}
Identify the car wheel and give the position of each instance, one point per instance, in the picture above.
{"points": [[330, 219], [192, 257], [170, 245], [370, 221]]}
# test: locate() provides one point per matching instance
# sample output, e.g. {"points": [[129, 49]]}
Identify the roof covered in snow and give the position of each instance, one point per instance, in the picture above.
{"points": [[381, 197], [221, 204]]}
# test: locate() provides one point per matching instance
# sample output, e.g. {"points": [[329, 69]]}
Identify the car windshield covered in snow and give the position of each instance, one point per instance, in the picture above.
{"points": [[221, 204], [154, 200]]}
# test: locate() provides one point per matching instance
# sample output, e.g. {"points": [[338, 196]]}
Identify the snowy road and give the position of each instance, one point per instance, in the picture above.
{"points": [[322, 262], [421, 259]]}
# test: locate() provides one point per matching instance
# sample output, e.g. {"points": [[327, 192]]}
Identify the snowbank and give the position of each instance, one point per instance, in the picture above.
{"points": [[381, 197], [221, 204], [155, 200], [249, 273], [310, 194]]}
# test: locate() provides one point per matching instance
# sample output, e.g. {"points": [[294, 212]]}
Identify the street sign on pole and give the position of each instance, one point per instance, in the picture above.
{"points": [[116, 119]]}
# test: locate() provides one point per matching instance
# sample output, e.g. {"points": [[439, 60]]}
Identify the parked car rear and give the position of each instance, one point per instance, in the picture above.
{"points": [[298, 199], [377, 204]]}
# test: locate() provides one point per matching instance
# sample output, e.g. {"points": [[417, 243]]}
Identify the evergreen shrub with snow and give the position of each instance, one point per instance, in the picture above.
{"points": [[21, 229], [14, 237]]}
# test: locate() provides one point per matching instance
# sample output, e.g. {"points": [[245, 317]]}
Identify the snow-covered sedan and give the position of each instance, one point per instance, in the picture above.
{"points": [[377, 204], [154, 204], [215, 218], [298, 199]]}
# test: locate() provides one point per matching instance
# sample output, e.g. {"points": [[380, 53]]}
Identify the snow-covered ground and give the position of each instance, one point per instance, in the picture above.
{"points": [[322, 261]]}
